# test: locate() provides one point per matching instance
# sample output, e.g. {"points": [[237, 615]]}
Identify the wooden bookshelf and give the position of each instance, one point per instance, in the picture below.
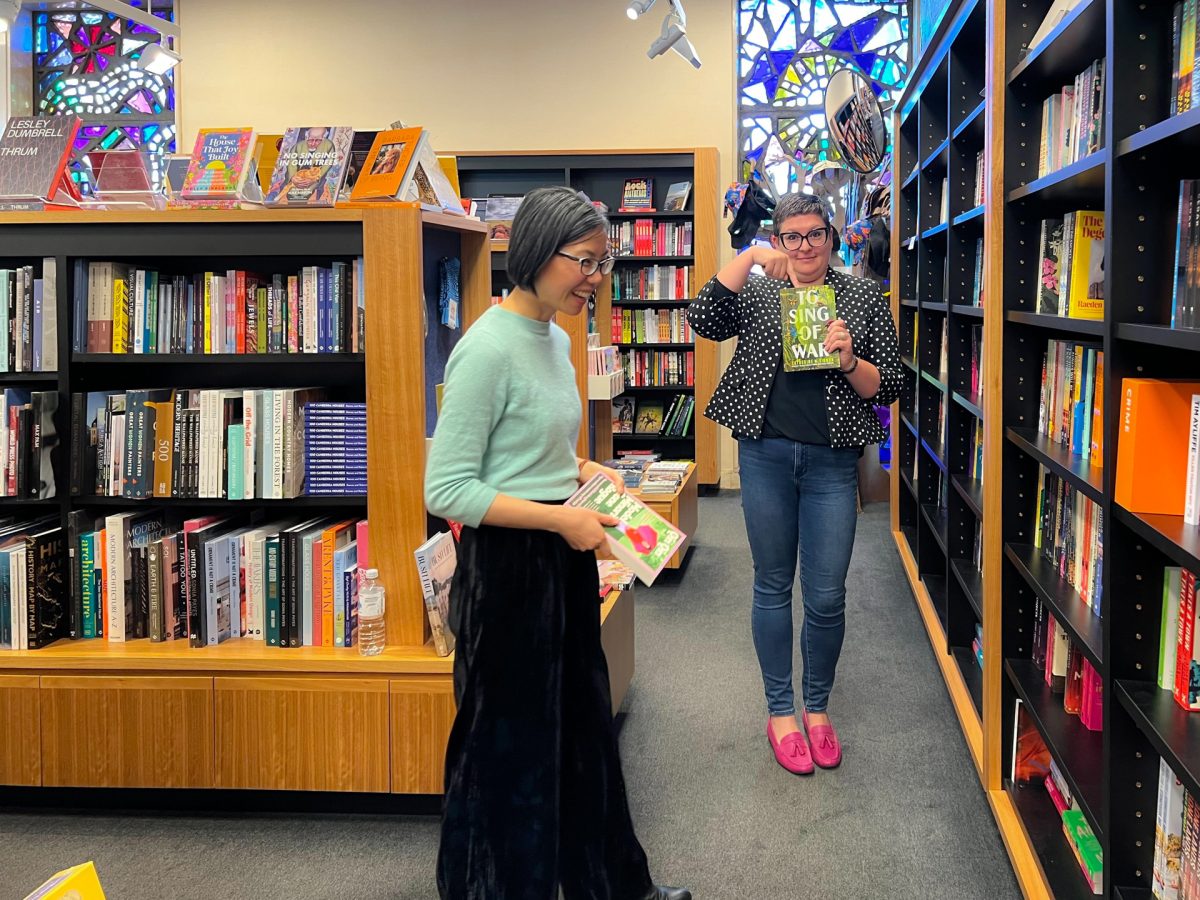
{"points": [[241, 714], [601, 175], [1134, 178]]}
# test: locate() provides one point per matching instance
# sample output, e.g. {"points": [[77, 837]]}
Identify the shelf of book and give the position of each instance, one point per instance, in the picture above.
{"points": [[601, 175], [217, 359], [1173, 537], [1160, 336], [1091, 327], [972, 675], [1068, 608], [1172, 731], [677, 388], [971, 490], [971, 582], [1068, 49], [1079, 752], [653, 345], [1075, 470], [316, 501], [1043, 831]]}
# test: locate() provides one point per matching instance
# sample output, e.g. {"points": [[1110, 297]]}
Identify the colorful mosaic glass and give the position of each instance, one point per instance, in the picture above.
{"points": [[787, 50], [85, 62]]}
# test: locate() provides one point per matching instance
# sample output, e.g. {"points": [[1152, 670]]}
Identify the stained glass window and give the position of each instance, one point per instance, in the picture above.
{"points": [[787, 49], [85, 62]]}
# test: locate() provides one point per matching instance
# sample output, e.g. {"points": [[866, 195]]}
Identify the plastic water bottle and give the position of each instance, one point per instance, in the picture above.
{"points": [[372, 631]]}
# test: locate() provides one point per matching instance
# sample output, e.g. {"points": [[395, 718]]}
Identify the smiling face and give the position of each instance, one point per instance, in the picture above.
{"points": [[808, 264], [560, 285]]}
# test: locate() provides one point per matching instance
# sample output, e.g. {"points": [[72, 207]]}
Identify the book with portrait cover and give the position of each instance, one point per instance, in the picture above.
{"points": [[389, 166], [311, 166], [219, 165], [34, 153], [429, 186], [642, 539], [805, 314]]}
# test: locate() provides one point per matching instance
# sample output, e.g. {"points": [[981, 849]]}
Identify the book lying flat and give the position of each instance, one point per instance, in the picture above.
{"points": [[643, 539]]}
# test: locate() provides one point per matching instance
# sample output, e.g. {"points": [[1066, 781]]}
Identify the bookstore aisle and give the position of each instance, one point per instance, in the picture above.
{"points": [[904, 817]]}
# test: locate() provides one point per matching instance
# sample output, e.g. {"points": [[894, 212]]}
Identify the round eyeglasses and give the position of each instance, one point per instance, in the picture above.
{"points": [[794, 240], [589, 266]]}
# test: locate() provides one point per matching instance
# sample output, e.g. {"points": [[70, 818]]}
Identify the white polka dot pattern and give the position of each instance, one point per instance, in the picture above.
{"points": [[752, 316]]}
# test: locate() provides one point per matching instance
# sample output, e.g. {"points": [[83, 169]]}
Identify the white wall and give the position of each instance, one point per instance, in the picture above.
{"points": [[479, 74]]}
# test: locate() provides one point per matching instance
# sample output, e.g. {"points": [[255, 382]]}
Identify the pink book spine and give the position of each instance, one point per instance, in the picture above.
{"points": [[1059, 803], [314, 601], [1049, 649], [1091, 710], [361, 536]]}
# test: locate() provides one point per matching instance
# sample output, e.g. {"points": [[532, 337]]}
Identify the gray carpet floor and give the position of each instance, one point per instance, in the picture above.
{"points": [[904, 817]]}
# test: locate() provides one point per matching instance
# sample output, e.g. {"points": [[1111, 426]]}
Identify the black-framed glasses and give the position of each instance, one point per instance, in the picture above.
{"points": [[589, 265], [794, 240]]}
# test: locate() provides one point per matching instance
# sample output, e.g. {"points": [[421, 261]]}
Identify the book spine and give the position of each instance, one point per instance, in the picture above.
{"points": [[271, 607]]}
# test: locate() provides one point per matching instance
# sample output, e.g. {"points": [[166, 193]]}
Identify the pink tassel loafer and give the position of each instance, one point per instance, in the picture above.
{"points": [[791, 752], [826, 749]]}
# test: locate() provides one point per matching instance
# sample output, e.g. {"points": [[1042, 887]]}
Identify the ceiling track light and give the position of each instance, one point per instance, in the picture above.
{"points": [[638, 8], [674, 35], [9, 10]]}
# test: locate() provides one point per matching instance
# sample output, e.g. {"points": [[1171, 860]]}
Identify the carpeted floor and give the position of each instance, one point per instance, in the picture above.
{"points": [[904, 817]]}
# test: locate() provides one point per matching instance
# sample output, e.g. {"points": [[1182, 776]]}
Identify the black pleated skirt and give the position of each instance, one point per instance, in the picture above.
{"points": [[534, 796]]}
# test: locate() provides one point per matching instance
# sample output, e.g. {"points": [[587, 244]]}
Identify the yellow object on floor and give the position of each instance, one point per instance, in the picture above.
{"points": [[76, 883]]}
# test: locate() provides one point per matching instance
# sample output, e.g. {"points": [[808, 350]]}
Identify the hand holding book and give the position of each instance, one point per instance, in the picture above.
{"points": [[839, 340], [589, 469], [583, 528]]}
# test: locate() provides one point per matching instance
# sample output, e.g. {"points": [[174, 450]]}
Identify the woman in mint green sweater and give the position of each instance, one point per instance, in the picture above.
{"points": [[534, 796]]}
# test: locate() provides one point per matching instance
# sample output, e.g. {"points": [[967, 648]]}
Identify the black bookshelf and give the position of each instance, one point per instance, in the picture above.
{"points": [[941, 118]]}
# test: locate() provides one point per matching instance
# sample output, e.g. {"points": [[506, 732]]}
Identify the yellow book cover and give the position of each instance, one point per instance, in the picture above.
{"points": [[1086, 297], [333, 538], [120, 335], [206, 312], [76, 883]]}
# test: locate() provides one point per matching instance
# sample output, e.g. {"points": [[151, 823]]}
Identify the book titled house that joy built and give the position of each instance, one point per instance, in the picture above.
{"points": [[642, 539], [33, 158], [221, 161], [805, 314]]}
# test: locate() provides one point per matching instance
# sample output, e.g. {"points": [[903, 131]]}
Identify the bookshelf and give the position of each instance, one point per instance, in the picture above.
{"points": [[601, 175], [241, 714], [1134, 178]]}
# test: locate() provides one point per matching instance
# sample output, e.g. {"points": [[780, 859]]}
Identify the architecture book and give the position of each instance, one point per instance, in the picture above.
{"points": [[806, 312], [642, 539]]}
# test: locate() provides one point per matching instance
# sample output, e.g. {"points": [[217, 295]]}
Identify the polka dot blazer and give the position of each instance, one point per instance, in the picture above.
{"points": [[753, 317]]}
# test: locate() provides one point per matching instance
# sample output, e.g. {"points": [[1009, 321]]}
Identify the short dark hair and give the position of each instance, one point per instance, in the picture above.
{"points": [[790, 205], [548, 219]]}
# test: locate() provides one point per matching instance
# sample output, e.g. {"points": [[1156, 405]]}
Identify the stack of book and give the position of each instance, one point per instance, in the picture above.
{"points": [[1071, 404], [659, 368], [650, 326], [630, 467], [643, 237], [1071, 536], [653, 283], [335, 448], [1072, 121], [33, 593], [664, 477], [29, 445], [120, 308], [29, 319]]}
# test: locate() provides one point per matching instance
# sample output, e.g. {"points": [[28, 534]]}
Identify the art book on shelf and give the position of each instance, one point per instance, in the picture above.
{"points": [[430, 186], [1085, 293], [436, 562], [220, 164], [389, 165], [642, 539], [311, 166], [677, 196], [806, 312], [33, 159], [623, 409]]}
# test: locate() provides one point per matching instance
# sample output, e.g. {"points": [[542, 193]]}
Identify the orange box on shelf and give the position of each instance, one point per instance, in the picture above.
{"points": [[1152, 448]]}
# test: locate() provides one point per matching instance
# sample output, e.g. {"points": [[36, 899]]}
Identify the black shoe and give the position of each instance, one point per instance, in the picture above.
{"points": [[669, 893]]}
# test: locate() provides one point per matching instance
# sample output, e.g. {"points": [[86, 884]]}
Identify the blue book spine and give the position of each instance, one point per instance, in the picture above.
{"points": [[79, 301]]}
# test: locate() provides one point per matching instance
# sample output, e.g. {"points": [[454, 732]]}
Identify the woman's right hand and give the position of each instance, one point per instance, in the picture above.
{"points": [[774, 262], [582, 528]]}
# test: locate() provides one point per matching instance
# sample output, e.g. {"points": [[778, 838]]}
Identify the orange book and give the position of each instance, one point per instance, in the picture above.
{"points": [[1152, 450], [389, 166], [164, 430], [334, 537], [102, 582]]}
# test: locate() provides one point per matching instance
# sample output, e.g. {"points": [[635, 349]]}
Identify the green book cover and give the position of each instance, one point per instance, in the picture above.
{"points": [[1085, 845], [642, 539], [271, 591], [805, 314], [236, 462]]}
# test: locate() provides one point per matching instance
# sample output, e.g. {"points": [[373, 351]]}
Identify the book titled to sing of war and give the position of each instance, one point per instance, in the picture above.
{"points": [[642, 539], [805, 314]]}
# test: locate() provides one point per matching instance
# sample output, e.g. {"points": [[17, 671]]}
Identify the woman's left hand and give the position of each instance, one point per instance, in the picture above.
{"points": [[839, 340], [590, 469]]}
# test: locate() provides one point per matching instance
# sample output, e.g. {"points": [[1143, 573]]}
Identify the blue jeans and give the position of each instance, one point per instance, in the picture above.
{"points": [[798, 497]]}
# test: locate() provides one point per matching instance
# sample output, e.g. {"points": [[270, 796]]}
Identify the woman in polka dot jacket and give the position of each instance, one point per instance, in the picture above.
{"points": [[800, 435]]}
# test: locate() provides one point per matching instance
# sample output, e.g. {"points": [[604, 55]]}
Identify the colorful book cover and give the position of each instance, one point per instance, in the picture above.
{"points": [[33, 158], [76, 883], [1168, 835], [311, 166], [677, 196], [388, 168], [1050, 260], [805, 314], [1086, 847], [642, 539], [219, 164], [436, 562], [1086, 291], [430, 187]]}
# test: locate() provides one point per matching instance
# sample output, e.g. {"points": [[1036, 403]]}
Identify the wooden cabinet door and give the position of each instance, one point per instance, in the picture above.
{"points": [[302, 734], [422, 713], [20, 731], [141, 731]]}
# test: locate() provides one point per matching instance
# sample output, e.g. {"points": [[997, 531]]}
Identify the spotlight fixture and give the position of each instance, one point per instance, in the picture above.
{"points": [[9, 10], [674, 36], [638, 8], [685, 49], [157, 59]]}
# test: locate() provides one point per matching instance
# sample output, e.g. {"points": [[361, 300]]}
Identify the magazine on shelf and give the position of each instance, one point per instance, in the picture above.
{"points": [[436, 561], [642, 539]]}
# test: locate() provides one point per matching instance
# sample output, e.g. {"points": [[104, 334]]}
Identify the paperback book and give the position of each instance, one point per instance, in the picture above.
{"points": [[311, 166], [436, 561], [642, 539], [806, 313]]}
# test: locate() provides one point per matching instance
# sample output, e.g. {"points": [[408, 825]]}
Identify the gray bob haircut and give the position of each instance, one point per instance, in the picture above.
{"points": [[800, 205], [548, 219]]}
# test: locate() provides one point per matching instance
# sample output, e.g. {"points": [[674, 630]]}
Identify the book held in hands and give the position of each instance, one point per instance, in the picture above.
{"points": [[806, 314], [642, 539]]}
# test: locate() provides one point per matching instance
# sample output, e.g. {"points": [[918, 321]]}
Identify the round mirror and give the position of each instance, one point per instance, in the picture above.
{"points": [[855, 120]]}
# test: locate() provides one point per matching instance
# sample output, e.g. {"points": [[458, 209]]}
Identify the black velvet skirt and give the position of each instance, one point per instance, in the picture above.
{"points": [[534, 795]]}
